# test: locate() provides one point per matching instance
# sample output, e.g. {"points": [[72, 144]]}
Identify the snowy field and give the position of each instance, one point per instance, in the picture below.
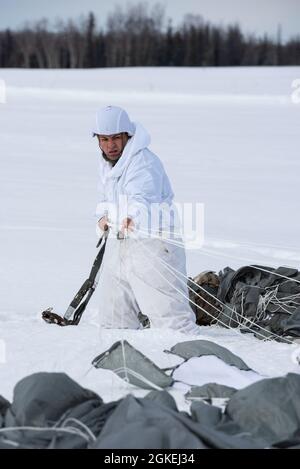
{"points": [[229, 138]]}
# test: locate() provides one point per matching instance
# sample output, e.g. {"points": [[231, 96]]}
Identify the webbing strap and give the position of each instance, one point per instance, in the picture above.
{"points": [[89, 282]]}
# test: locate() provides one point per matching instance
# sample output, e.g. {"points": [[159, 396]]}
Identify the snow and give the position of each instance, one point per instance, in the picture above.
{"points": [[210, 369], [228, 137]]}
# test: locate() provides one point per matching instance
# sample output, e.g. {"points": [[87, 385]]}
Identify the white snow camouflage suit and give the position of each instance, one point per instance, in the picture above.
{"points": [[133, 278]]}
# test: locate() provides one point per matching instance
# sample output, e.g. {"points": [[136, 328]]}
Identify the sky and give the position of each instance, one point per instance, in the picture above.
{"points": [[254, 16]]}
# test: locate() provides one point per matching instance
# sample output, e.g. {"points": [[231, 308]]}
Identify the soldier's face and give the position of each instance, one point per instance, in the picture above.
{"points": [[113, 145]]}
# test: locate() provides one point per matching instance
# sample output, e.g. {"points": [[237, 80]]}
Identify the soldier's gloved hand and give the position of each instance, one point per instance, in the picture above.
{"points": [[127, 224], [103, 223]]}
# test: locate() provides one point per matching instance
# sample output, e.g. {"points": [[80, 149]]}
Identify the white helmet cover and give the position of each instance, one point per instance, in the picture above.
{"points": [[112, 120]]}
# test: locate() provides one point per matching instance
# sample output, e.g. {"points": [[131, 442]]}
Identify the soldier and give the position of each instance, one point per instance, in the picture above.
{"points": [[133, 277]]}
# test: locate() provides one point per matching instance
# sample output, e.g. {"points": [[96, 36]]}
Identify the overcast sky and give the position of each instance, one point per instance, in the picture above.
{"points": [[255, 16]]}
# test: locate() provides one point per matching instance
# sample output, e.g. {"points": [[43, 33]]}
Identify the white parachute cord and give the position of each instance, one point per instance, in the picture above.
{"points": [[290, 298], [158, 344], [113, 323], [282, 305], [122, 340], [223, 313], [285, 301], [242, 317], [248, 321], [80, 424], [159, 232], [261, 306], [274, 273], [233, 310], [240, 243], [183, 295], [68, 430], [125, 368], [252, 245], [212, 253], [117, 285], [264, 301], [137, 375], [100, 339], [154, 235], [243, 321], [206, 312]]}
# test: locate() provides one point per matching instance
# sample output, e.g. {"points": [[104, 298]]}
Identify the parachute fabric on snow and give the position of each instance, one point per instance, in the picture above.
{"points": [[198, 348], [136, 369], [210, 391]]}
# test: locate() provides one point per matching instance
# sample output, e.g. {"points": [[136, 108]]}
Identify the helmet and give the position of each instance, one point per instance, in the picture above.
{"points": [[112, 120]]}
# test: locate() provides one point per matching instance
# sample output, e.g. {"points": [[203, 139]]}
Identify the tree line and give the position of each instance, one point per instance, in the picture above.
{"points": [[137, 36]]}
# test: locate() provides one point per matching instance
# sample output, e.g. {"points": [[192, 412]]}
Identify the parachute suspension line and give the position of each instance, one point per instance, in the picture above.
{"points": [[122, 325], [157, 345], [239, 317], [184, 296], [137, 375], [265, 300], [113, 323], [117, 285], [148, 232], [202, 309], [245, 320], [242, 321], [216, 254], [125, 369], [154, 235], [180, 235], [287, 301], [274, 273], [71, 430], [80, 424]]}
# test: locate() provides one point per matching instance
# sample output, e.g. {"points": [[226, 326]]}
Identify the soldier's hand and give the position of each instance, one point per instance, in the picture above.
{"points": [[127, 224], [103, 223]]}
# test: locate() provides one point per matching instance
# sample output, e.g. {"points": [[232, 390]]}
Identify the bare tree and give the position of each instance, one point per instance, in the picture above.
{"points": [[136, 35], [75, 44], [133, 35], [25, 42]]}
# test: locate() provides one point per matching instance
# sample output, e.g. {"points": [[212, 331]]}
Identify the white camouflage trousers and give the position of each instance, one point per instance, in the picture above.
{"points": [[133, 278]]}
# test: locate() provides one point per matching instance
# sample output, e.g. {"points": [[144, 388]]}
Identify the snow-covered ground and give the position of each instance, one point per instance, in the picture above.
{"points": [[229, 138]]}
